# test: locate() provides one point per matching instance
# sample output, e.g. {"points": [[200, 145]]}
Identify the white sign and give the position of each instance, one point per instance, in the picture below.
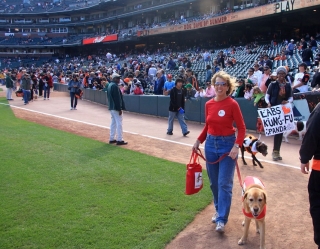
{"points": [[277, 119]]}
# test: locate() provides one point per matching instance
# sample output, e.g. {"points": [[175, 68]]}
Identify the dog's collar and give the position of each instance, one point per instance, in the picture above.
{"points": [[260, 216]]}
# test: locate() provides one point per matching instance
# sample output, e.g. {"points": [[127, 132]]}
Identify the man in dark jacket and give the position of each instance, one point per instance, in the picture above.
{"points": [[9, 86], [140, 77], [26, 87], [310, 149], [171, 64], [267, 61], [176, 108], [116, 105], [307, 56]]}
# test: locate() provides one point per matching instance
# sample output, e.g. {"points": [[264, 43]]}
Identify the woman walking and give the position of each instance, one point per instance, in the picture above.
{"points": [[74, 85], [221, 112]]}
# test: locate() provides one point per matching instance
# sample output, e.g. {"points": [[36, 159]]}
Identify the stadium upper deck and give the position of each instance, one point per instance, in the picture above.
{"points": [[150, 22]]}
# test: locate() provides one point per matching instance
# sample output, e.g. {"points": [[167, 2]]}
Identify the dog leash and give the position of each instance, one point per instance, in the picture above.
{"points": [[220, 158]]}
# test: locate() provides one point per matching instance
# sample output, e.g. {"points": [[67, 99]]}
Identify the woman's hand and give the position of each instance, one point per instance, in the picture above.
{"points": [[196, 145], [234, 152], [269, 105]]}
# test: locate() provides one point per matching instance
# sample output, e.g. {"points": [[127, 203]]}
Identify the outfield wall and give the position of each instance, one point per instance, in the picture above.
{"points": [[159, 105], [154, 105]]}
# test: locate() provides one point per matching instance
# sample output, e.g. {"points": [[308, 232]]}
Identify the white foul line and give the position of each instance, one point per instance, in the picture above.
{"points": [[134, 133]]}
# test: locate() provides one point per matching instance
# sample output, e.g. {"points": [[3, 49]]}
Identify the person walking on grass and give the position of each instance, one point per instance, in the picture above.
{"points": [[116, 106], [9, 86], [176, 108]]}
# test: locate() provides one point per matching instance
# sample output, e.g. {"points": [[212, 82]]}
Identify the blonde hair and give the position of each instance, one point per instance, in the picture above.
{"points": [[256, 89], [231, 81]]}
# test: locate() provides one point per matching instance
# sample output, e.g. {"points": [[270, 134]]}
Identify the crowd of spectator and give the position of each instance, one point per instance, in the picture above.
{"points": [[154, 72]]}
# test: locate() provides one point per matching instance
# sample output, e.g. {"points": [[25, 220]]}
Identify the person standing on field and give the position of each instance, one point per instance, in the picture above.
{"points": [[310, 149], [176, 108], [116, 106], [9, 86]]}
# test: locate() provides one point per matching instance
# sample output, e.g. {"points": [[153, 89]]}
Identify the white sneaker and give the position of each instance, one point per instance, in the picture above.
{"points": [[74, 108], [71, 108], [44, 99], [220, 227], [48, 98], [214, 217]]}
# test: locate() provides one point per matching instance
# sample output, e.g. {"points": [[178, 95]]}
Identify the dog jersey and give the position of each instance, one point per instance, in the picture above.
{"points": [[249, 144], [248, 181]]}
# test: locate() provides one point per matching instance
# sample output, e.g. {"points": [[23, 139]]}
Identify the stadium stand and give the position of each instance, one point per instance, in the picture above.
{"points": [[56, 38]]}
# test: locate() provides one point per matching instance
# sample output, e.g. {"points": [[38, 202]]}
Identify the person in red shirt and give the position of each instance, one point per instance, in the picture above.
{"points": [[221, 112]]}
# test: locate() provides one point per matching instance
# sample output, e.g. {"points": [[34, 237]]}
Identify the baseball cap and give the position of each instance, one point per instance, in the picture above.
{"points": [[181, 67], [274, 74], [169, 76]]}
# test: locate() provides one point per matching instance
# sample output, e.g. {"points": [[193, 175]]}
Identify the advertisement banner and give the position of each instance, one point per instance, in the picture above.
{"points": [[268, 9], [277, 119], [99, 39]]}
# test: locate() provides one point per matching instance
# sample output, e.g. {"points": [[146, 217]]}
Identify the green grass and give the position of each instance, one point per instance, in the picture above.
{"points": [[59, 190]]}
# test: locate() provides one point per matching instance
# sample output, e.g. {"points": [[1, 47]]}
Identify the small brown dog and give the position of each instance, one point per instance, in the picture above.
{"points": [[254, 207]]}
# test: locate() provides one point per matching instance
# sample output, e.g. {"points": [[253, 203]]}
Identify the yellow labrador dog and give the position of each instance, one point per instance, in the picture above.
{"points": [[254, 207]]}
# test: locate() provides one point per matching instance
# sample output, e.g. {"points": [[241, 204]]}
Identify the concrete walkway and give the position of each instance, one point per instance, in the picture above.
{"points": [[148, 126]]}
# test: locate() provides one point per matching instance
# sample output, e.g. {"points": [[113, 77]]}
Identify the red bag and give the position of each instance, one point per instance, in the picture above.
{"points": [[79, 94], [19, 93], [194, 182]]}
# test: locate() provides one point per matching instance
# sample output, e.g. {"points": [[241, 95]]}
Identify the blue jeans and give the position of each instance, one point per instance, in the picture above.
{"points": [[73, 100], [46, 90], [180, 118], [26, 96], [220, 174]]}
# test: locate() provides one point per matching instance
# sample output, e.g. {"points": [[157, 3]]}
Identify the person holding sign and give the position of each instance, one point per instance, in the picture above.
{"points": [[221, 112], [310, 148], [279, 92]]}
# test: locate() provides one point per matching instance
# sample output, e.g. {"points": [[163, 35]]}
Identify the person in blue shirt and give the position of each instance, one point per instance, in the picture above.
{"points": [[208, 73], [171, 64], [159, 84], [290, 48], [168, 85]]}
